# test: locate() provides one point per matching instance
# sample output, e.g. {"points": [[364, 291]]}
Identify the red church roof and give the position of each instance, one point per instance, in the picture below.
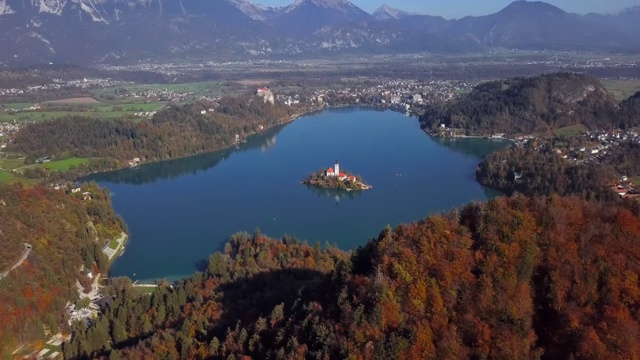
{"points": [[330, 171], [343, 174]]}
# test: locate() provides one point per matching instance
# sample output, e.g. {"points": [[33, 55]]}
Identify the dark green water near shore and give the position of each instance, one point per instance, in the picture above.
{"points": [[180, 211]]}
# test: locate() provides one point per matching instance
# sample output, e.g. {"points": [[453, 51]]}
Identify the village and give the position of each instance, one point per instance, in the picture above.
{"points": [[595, 147]]}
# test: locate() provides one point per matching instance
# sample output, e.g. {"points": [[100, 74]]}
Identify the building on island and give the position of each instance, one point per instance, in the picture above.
{"points": [[335, 172], [331, 172], [334, 178]]}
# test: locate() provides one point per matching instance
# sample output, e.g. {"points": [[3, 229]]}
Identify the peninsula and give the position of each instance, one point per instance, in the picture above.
{"points": [[333, 178]]}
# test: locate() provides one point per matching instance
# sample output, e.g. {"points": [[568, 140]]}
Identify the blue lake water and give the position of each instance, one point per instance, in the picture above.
{"points": [[180, 211]]}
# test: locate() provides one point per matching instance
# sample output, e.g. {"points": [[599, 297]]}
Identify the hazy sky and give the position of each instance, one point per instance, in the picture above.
{"points": [[460, 8]]}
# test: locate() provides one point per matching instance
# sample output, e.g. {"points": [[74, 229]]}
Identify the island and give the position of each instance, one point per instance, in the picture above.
{"points": [[333, 178]]}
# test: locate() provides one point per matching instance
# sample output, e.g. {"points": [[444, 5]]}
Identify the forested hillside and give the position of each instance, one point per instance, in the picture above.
{"points": [[65, 232], [178, 131], [533, 105], [550, 278], [541, 172]]}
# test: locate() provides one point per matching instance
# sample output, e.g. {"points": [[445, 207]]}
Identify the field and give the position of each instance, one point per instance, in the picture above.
{"points": [[6, 177], [622, 89], [10, 164], [95, 110], [199, 88], [571, 131], [6, 165], [79, 100], [146, 290], [64, 165], [18, 106]]}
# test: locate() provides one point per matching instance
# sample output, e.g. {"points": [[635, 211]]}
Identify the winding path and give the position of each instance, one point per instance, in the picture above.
{"points": [[26, 253]]}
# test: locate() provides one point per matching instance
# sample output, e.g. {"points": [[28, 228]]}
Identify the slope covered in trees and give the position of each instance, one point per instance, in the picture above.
{"points": [[513, 278], [542, 171], [532, 172], [65, 232], [533, 105], [174, 132]]}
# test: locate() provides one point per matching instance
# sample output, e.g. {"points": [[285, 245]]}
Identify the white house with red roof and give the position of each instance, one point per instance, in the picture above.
{"points": [[331, 172]]}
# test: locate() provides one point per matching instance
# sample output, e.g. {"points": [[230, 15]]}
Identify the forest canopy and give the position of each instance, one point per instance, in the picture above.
{"points": [[65, 233], [520, 277], [536, 104], [178, 131]]}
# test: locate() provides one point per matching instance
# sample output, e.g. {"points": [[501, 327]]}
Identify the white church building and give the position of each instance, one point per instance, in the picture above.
{"points": [[335, 172]]}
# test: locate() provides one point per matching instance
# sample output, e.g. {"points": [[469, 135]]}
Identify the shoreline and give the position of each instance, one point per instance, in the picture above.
{"points": [[281, 122]]}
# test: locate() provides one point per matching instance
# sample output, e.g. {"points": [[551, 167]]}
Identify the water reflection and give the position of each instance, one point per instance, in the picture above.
{"points": [[333, 194], [268, 144], [171, 169], [472, 146]]}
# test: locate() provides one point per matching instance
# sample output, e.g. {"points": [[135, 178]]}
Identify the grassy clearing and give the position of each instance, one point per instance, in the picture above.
{"points": [[64, 165], [97, 111], [635, 180], [113, 244], [196, 88], [49, 115], [10, 164], [571, 131], [83, 303], [146, 290], [17, 106], [6, 177], [622, 89]]}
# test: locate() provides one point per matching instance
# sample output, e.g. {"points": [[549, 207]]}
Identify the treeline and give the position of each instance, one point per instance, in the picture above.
{"points": [[177, 131], [519, 277], [65, 233], [534, 105], [253, 276]]}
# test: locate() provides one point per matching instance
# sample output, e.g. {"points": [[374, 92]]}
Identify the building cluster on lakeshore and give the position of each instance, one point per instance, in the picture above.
{"points": [[589, 147], [409, 96]]}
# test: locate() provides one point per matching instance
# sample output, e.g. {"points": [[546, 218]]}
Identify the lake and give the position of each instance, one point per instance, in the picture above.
{"points": [[180, 211]]}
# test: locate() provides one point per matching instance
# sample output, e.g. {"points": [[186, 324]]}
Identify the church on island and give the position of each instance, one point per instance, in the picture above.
{"points": [[333, 178], [335, 172]]}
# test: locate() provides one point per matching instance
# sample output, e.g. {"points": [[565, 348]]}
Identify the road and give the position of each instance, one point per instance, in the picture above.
{"points": [[24, 256]]}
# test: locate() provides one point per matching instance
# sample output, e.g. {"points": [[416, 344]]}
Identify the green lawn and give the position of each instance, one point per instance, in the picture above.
{"points": [[146, 290], [99, 111], [83, 303], [114, 244], [64, 165], [197, 87], [6, 177], [571, 131], [635, 180], [10, 164], [17, 106]]}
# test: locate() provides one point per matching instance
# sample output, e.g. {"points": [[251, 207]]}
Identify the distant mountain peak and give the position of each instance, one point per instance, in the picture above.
{"points": [[630, 10], [386, 12], [254, 11], [339, 5]]}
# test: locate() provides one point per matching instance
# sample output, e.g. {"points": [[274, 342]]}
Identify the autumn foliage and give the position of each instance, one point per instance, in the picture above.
{"points": [[519, 277], [61, 230]]}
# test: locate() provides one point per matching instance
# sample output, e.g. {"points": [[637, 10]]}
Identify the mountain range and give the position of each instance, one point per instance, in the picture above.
{"points": [[126, 31]]}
